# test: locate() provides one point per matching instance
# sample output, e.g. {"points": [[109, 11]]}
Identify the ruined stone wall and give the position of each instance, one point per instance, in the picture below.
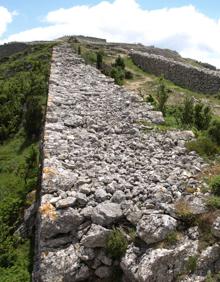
{"points": [[185, 75], [103, 169]]}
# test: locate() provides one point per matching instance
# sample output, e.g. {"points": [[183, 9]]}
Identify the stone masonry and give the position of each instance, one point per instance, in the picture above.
{"points": [[182, 74], [101, 169]]}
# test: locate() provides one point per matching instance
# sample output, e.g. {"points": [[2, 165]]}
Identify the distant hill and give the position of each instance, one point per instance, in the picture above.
{"points": [[9, 49]]}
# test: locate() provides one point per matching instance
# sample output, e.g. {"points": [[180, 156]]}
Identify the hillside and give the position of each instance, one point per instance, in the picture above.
{"points": [[23, 96], [130, 167]]}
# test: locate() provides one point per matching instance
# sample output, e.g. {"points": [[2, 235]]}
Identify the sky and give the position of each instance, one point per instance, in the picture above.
{"points": [[190, 27]]}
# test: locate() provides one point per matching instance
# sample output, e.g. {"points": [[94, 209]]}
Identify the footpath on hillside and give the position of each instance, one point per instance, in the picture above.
{"points": [[104, 171]]}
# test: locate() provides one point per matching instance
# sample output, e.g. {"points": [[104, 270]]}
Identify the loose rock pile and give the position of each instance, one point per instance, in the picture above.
{"points": [[102, 170]]}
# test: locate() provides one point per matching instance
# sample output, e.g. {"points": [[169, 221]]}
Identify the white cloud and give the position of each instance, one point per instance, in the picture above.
{"points": [[5, 19], [184, 29]]}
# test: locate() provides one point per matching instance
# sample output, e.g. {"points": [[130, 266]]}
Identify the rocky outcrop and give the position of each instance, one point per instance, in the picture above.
{"points": [[102, 171], [185, 75]]}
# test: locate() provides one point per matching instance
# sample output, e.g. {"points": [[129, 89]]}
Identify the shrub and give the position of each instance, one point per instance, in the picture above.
{"points": [[203, 146], [150, 99], [214, 131], [99, 60], [202, 116], [215, 185], [116, 244], [79, 51], [118, 74], [129, 75], [213, 202], [33, 117], [186, 112], [162, 96], [191, 264], [119, 62]]}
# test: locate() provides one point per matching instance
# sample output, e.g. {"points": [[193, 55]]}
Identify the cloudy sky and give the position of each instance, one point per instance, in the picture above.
{"points": [[190, 27]]}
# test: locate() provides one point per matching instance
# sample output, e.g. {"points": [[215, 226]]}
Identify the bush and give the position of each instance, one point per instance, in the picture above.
{"points": [[214, 131], [119, 62], [203, 146], [215, 185], [79, 51], [213, 202], [128, 75], [33, 118], [162, 96], [99, 60], [186, 112], [118, 74], [191, 114], [150, 99], [116, 244], [202, 116]]}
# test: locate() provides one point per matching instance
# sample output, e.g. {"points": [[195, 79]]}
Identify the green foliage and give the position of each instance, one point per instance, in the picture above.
{"points": [[214, 131], [172, 238], [191, 264], [23, 91], [116, 244], [162, 96], [209, 277], [99, 60], [194, 115], [79, 51], [202, 116], [118, 74], [33, 117], [128, 75], [203, 146], [119, 62], [22, 76], [215, 185], [213, 202], [151, 99]]}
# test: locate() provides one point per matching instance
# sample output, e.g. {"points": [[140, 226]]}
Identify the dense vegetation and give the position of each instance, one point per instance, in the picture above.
{"points": [[23, 95]]}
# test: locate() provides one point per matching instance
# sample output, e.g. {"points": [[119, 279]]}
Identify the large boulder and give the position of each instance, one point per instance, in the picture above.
{"points": [[158, 264], [95, 237], [155, 227], [106, 213], [60, 222]]}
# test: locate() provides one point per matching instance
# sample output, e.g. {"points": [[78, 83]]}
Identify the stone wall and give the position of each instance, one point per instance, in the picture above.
{"points": [[184, 75], [103, 169]]}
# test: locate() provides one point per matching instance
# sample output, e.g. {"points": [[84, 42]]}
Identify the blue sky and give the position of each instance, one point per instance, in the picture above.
{"points": [[190, 27], [31, 12]]}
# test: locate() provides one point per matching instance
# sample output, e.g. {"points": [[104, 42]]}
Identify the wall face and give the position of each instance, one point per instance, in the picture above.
{"points": [[187, 76]]}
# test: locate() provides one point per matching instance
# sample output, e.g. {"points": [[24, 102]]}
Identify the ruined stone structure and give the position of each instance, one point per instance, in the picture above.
{"points": [[101, 169], [185, 75]]}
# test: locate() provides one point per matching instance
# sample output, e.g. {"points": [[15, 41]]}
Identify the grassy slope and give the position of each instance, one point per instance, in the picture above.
{"points": [[16, 253]]}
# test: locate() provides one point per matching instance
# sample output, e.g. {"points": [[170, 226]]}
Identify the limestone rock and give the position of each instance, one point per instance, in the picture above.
{"points": [[95, 237], [106, 213], [216, 227], [155, 227]]}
